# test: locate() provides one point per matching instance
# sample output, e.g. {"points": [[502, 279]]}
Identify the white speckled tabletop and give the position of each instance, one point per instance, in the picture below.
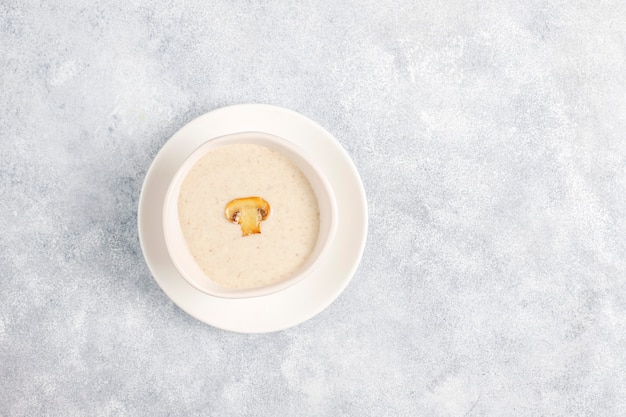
{"points": [[491, 141]]}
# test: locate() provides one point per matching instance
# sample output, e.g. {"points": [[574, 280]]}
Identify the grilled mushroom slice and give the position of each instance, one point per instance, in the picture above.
{"points": [[248, 212]]}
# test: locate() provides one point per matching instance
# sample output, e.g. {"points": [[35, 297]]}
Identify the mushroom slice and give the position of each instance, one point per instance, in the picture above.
{"points": [[248, 212]]}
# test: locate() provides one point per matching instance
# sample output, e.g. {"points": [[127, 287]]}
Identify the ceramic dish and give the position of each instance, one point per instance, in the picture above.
{"points": [[292, 305], [175, 240]]}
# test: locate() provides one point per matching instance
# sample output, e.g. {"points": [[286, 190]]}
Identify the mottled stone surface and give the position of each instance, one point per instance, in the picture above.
{"points": [[491, 140]]}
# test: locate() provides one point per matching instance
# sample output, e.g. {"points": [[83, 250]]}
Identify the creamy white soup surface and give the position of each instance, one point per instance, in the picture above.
{"points": [[288, 235]]}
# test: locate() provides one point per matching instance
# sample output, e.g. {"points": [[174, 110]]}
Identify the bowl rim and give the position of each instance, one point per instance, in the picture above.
{"points": [[279, 144]]}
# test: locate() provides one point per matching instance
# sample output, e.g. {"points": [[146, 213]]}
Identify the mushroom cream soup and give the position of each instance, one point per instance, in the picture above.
{"points": [[232, 182]]}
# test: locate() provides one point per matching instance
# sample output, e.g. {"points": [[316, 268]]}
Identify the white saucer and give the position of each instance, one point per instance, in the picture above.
{"points": [[297, 303]]}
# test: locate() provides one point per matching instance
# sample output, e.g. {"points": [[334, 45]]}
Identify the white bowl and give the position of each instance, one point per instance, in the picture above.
{"points": [[177, 246]]}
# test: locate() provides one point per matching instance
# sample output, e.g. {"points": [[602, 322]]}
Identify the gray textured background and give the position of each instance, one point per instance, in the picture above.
{"points": [[491, 142]]}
